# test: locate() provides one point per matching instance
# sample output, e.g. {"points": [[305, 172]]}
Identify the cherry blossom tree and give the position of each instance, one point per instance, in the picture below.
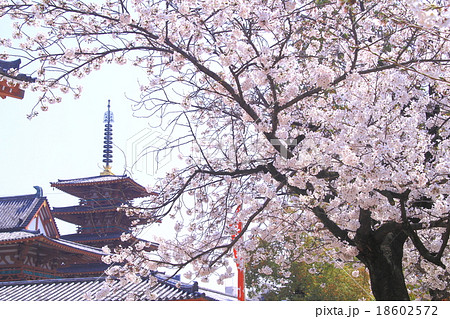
{"points": [[320, 117]]}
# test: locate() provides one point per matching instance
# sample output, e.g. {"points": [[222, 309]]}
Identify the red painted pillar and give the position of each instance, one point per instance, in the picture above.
{"points": [[241, 282], [240, 267]]}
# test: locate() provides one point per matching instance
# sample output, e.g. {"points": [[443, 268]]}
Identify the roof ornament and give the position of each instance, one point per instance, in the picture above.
{"points": [[107, 143], [39, 191]]}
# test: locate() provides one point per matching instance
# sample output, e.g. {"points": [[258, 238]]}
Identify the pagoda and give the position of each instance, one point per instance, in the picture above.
{"points": [[99, 216]]}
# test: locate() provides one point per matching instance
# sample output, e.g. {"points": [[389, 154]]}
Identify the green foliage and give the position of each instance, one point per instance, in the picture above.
{"points": [[328, 283], [306, 282]]}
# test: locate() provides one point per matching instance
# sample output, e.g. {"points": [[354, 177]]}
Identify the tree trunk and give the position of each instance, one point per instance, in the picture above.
{"points": [[439, 295], [382, 252]]}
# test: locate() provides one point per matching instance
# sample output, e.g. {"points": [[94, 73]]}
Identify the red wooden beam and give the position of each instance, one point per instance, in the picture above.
{"points": [[11, 91]]}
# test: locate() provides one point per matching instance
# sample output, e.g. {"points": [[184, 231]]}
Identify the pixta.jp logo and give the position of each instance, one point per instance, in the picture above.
{"points": [[148, 151]]}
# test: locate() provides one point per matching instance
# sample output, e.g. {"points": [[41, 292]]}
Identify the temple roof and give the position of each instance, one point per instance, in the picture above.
{"points": [[78, 246], [61, 244], [90, 238], [5, 66], [17, 235], [82, 187], [77, 289], [91, 180], [16, 212]]}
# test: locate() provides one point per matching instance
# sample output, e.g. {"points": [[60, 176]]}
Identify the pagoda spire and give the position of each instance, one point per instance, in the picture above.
{"points": [[107, 143]]}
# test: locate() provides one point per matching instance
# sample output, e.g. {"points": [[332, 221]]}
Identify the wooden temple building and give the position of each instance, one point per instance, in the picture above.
{"points": [[37, 263], [30, 244]]}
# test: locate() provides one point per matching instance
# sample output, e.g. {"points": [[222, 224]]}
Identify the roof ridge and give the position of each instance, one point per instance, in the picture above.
{"points": [[20, 196], [81, 178], [48, 281]]}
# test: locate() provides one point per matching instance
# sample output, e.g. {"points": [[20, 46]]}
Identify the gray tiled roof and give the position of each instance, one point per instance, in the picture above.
{"points": [[93, 179], [86, 248], [5, 66], [17, 235], [17, 211], [76, 289], [66, 244]]}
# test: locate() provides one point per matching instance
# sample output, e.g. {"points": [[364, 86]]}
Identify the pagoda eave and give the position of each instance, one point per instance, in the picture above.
{"points": [[82, 209], [75, 214], [85, 187], [106, 239]]}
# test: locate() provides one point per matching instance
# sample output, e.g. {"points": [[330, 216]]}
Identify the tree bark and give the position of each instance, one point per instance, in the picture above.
{"points": [[381, 251], [439, 295]]}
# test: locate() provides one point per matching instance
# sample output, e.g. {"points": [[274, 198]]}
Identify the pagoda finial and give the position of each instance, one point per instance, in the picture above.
{"points": [[107, 143]]}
